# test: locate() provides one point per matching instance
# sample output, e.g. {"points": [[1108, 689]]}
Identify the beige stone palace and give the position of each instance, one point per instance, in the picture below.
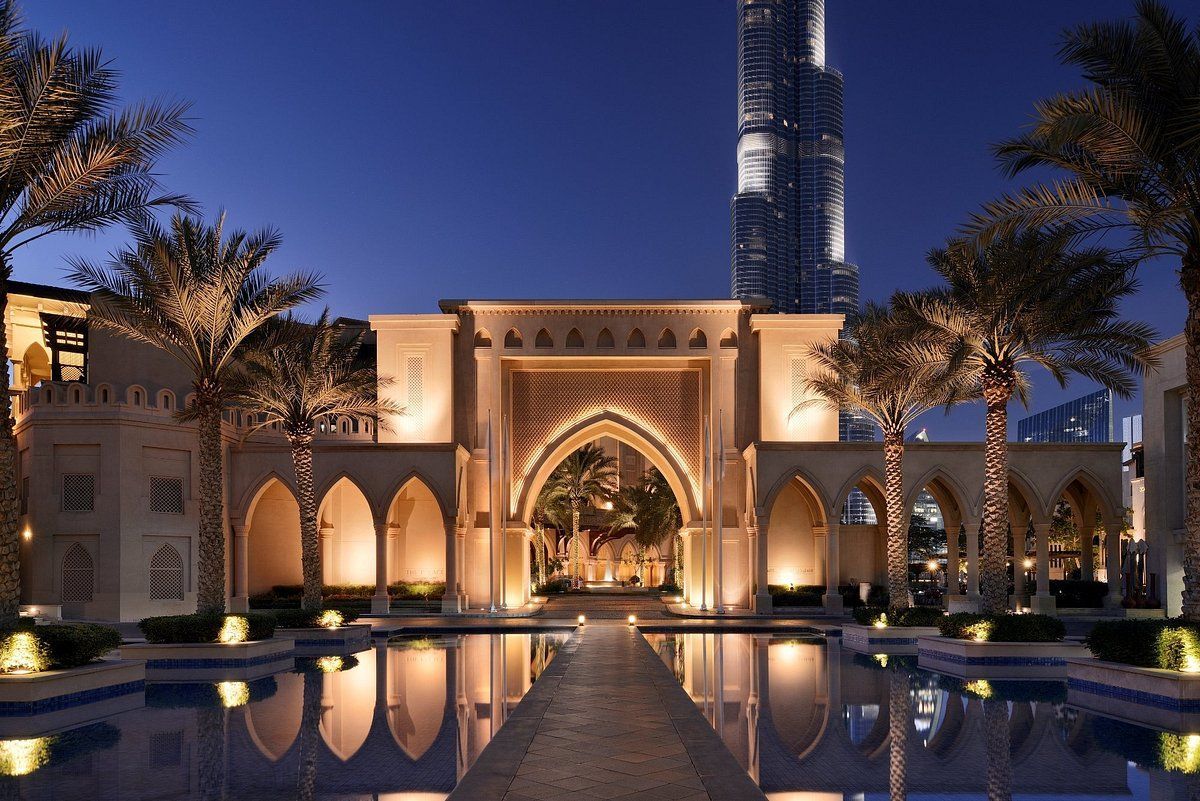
{"points": [[495, 394]]}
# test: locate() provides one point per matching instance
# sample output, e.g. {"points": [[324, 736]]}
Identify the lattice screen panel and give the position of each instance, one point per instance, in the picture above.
{"points": [[666, 403], [166, 495], [78, 575], [78, 492], [414, 409], [166, 575]]}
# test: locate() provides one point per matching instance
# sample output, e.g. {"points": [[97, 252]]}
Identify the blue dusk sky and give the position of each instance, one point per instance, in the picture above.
{"points": [[415, 151]]}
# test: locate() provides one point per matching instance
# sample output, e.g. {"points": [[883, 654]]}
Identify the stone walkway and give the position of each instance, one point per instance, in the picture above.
{"points": [[606, 720]]}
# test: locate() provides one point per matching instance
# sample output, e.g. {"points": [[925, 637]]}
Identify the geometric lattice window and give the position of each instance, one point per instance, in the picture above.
{"points": [[166, 575], [78, 492], [166, 495], [414, 409], [68, 341], [78, 575]]}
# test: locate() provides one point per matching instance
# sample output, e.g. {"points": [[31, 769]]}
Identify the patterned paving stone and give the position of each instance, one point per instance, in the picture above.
{"points": [[606, 720]]}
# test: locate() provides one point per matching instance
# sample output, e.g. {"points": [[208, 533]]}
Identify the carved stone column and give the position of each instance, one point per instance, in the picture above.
{"points": [[1043, 602], [832, 600], [380, 603], [450, 598], [240, 602]]}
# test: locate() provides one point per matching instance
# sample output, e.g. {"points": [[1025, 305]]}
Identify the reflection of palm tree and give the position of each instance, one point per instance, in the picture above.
{"points": [[899, 715], [310, 720], [210, 726], [996, 743]]}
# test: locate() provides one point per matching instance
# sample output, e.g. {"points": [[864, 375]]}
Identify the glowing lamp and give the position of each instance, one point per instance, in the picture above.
{"points": [[582, 619], [234, 630], [633, 620], [22, 652], [932, 565], [233, 693], [27, 534], [22, 757], [1028, 564], [331, 619], [330, 664]]}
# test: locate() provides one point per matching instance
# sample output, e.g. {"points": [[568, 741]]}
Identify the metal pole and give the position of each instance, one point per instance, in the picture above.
{"points": [[504, 511], [704, 525], [718, 514], [491, 519]]}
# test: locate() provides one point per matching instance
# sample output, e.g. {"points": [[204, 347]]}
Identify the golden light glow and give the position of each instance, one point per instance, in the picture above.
{"points": [[22, 757], [22, 652], [1028, 564], [234, 630], [881, 621], [882, 659], [1180, 752], [331, 619], [932, 565], [1178, 649], [981, 631], [633, 620], [233, 693], [582, 619], [27, 533], [981, 688], [330, 664]]}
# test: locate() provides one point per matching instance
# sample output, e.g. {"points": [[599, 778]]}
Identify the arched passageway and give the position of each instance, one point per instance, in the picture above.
{"points": [[273, 539], [416, 535], [347, 532]]}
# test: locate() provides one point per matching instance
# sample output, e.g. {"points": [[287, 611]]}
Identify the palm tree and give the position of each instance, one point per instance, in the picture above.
{"points": [[199, 295], [299, 376], [586, 475], [67, 163], [860, 373], [553, 509], [648, 509], [1130, 146], [1026, 299]]}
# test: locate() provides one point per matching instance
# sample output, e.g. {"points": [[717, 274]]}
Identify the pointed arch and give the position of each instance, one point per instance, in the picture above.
{"points": [[243, 507], [543, 339], [697, 339], [483, 339], [605, 339], [574, 338], [1092, 486], [35, 365], [943, 486], [666, 340], [1024, 490], [347, 518], [636, 339], [272, 536], [416, 520], [513, 339], [820, 500], [729, 338], [869, 479], [78, 575]]}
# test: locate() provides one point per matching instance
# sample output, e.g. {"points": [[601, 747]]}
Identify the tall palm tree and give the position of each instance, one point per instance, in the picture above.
{"points": [[198, 294], [68, 163], [297, 377], [860, 373], [551, 509], [587, 475], [648, 509], [1130, 147], [1027, 299]]}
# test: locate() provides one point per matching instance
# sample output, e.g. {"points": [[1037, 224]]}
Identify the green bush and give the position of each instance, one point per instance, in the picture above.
{"points": [[202, 627], [670, 589], [913, 616], [68, 645], [1002, 628], [1079, 594], [341, 596], [553, 587], [1144, 643], [796, 595], [307, 618]]}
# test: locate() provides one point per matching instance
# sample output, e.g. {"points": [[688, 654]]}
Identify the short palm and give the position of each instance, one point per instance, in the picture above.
{"points": [[587, 475], [66, 165], [1026, 299], [198, 294], [297, 377]]}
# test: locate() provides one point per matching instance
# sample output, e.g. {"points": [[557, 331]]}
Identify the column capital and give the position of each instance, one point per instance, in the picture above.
{"points": [[239, 529]]}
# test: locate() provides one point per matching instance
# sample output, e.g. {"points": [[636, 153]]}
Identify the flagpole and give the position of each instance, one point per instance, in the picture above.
{"points": [[491, 518], [718, 514], [704, 525], [505, 499]]}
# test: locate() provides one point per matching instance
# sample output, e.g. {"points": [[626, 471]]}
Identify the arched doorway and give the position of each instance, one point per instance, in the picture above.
{"points": [[273, 539], [347, 531], [416, 534], [795, 547]]}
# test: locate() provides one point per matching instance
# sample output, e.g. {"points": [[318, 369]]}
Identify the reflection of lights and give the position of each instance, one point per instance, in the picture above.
{"points": [[980, 688], [789, 651], [233, 693], [234, 630], [331, 619], [330, 664], [882, 659], [1180, 752], [22, 757], [633, 620], [22, 652]]}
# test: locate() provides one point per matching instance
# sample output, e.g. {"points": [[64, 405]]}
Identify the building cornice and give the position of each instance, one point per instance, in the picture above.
{"points": [[792, 322], [412, 322], [594, 307]]}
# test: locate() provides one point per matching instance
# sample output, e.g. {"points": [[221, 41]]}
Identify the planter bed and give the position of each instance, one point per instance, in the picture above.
{"points": [[318, 641], [997, 660], [243, 661], [35, 703], [887, 640], [1165, 699]]}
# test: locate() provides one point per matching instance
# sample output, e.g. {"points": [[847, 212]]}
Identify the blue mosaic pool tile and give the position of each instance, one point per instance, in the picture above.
{"points": [[223, 662], [22, 709], [1135, 696], [994, 661]]}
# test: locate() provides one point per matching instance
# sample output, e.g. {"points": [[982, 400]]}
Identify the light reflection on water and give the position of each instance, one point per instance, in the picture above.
{"points": [[810, 721], [401, 721]]}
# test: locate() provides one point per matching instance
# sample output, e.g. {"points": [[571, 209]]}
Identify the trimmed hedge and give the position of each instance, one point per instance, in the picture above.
{"points": [[1002, 628], [1144, 643], [798, 595], [199, 628], [344, 596], [553, 587], [913, 616], [68, 645], [1074, 594], [670, 589], [307, 618]]}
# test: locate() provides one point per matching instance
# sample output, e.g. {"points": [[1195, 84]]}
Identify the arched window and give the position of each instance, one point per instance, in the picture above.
{"points": [[166, 400], [543, 339], [574, 338], [636, 339], [605, 339], [483, 339], [513, 339], [78, 575], [666, 339], [697, 339], [166, 574], [728, 339]]}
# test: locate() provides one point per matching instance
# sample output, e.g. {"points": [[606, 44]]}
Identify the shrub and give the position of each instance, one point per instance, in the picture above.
{"points": [[1002, 628], [202, 627], [1079, 594], [667, 588], [307, 618], [553, 586], [796, 595], [68, 645], [1166, 644], [913, 616]]}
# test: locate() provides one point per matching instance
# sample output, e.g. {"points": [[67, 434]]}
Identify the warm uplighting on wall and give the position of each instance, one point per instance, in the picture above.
{"points": [[22, 652], [233, 693], [330, 664], [22, 757], [234, 630], [331, 619], [633, 620]]}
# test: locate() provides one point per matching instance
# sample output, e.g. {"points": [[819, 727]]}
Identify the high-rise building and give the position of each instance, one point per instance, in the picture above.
{"points": [[788, 215], [1085, 419]]}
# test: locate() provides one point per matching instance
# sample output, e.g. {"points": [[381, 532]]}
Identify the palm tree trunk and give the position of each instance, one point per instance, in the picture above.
{"points": [[576, 556], [540, 554], [994, 579], [899, 715], [210, 596], [996, 747], [1190, 279], [310, 737], [897, 528], [10, 543], [310, 546]]}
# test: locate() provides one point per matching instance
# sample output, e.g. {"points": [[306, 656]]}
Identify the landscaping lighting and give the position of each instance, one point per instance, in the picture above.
{"points": [[582, 619], [22, 652], [331, 619], [234, 630], [330, 664], [882, 659], [22, 757], [1180, 753], [633, 620], [881, 621], [233, 693], [1028, 564], [980, 688], [981, 631]]}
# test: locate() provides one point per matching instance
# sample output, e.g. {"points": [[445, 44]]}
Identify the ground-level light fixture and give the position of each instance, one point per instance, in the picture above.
{"points": [[234, 630], [633, 620], [582, 619], [331, 619], [22, 652]]}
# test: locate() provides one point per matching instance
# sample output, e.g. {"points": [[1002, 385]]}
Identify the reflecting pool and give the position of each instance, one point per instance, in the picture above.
{"points": [[810, 721], [402, 720]]}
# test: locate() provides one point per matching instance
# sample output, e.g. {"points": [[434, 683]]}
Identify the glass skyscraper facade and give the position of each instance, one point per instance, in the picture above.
{"points": [[788, 216], [1086, 419]]}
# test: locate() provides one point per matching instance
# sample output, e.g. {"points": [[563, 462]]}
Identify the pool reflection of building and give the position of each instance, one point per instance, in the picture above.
{"points": [[407, 719], [803, 716]]}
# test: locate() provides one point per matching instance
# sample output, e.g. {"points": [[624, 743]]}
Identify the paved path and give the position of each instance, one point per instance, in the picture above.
{"points": [[606, 720]]}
